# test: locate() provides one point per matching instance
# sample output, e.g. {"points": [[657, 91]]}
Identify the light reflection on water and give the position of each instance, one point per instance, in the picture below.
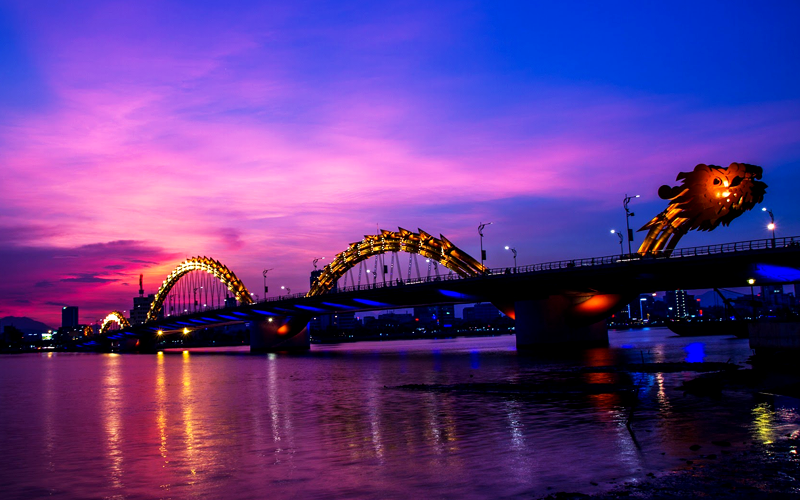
{"points": [[112, 404], [333, 422]]}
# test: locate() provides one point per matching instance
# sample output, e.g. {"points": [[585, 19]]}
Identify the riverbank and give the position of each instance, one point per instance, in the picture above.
{"points": [[762, 471], [720, 469]]}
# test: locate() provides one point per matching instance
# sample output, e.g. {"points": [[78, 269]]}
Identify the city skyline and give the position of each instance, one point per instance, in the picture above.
{"points": [[138, 134]]}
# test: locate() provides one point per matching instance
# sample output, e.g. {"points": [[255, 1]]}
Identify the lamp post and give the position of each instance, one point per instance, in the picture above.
{"points": [[288, 290], [317, 260], [628, 215], [771, 225], [513, 251], [480, 232], [641, 309], [264, 273], [621, 251], [752, 282], [195, 297]]}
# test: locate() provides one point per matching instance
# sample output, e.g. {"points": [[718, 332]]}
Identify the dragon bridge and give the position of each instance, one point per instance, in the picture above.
{"points": [[439, 249], [114, 317], [708, 196], [208, 265]]}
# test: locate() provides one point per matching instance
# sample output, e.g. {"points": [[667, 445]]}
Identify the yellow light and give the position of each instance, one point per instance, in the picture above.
{"points": [[160, 332], [725, 183], [726, 194], [751, 281], [770, 226], [185, 331]]}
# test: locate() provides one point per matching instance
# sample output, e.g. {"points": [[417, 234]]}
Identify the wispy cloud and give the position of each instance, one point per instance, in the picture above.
{"points": [[266, 142]]}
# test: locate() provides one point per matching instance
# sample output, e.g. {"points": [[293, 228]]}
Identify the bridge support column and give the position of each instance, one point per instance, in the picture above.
{"points": [[548, 323], [279, 333]]}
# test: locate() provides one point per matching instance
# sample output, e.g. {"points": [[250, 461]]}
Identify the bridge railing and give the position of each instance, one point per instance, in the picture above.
{"points": [[618, 259], [716, 249]]}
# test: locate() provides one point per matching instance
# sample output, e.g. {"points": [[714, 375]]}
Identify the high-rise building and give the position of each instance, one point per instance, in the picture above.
{"points": [[69, 316], [680, 304], [141, 305], [644, 308]]}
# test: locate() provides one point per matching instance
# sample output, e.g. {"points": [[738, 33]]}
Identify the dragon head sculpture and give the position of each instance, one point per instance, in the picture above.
{"points": [[707, 197]]}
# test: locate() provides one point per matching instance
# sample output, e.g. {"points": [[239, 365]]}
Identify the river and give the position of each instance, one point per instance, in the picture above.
{"points": [[336, 422]]}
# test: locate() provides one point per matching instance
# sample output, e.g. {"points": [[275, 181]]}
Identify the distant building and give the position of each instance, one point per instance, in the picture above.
{"points": [[645, 307], [11, 337], [441, 315], [680, 304], [775, 299], [481, 313], [394, 319], [69, 316], [141, 305], [343, 321]]}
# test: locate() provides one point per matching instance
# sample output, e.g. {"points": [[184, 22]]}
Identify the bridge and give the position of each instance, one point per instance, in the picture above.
{"points": [[564, 302], [561, 302]]}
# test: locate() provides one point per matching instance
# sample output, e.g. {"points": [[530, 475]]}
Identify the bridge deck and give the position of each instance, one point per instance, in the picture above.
{"points": [[726, 265]]}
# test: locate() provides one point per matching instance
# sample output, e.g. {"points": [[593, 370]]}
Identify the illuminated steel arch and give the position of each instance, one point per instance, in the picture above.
{"points": [[114, 317], [439, 249], [211, 266]]}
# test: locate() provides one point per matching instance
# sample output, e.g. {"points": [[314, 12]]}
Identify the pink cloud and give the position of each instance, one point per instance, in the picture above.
{"points": [[213, 138]]}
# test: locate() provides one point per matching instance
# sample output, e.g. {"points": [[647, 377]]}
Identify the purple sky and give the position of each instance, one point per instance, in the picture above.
{"points": [[134, 134]]}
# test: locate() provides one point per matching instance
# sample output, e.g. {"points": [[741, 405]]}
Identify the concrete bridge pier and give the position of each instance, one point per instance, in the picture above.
{"points": [[280, 333], [144, 344], [562, 321]]}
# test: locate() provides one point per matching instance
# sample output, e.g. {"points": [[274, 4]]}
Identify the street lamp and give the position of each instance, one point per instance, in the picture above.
{"points": [[288, 290], [771, 225], [317, 260], [621, 251], [513, 251], [480, 232], [641, 310], [195, 296], [752, 282], [628, 215], [265, 282]]}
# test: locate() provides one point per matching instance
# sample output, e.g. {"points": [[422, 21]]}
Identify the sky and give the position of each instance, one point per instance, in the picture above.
{"points": [[134, 134]]}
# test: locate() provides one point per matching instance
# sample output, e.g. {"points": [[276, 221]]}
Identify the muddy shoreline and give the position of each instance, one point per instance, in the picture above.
{"points": [[720, 469]]}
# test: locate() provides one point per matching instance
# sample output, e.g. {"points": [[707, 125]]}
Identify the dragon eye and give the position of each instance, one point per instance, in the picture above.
{"points": [[716, 181]]}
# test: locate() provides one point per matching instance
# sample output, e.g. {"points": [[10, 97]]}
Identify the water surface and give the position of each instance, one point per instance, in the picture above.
{"points": [[333, 422]]}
